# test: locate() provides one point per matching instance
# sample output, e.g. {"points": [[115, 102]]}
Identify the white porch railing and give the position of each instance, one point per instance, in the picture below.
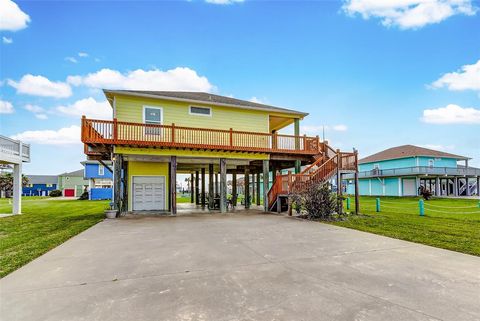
{"points": [[13, 151]]}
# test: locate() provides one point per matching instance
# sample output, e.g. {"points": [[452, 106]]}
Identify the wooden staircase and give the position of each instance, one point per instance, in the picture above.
{"points": [[326, 165]]}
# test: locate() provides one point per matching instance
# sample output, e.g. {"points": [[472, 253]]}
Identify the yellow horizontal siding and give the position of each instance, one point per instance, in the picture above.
{"points": [[147, 169], [189, 153], [130, 109]]}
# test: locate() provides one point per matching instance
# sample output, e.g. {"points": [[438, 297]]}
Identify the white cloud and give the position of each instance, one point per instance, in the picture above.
{"points": [[438, 147], [257, 100], [180, 78], [71, 59], [83, 54], [41, 86], [12, 18], [7, 41], [34, 108], [466, 78], [6, 107], [63, 136], [38, 111], [409, 14], [340, 128], [88, 107], [451, 114], [223, 1]]}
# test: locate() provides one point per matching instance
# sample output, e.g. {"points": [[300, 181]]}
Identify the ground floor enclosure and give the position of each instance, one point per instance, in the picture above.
{"points": [[410, 185]]}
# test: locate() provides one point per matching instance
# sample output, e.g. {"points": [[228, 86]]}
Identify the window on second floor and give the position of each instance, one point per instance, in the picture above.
{"points": [[49, 185], [376, 166], [200, 111], [431, 162], [152, 116], [101, 170]]}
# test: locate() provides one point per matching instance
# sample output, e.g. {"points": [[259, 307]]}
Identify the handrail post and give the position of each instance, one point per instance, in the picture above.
{"points": [[318, 143], [289, 181], [231, 137], [305, 142], [275, 141], [115, 130], [84, 120], [173, 132]]}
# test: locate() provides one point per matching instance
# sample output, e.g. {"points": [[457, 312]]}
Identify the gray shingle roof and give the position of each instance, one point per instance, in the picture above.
{"points": [[407, 151], [202, 97], [78, 173], [42, 179]]}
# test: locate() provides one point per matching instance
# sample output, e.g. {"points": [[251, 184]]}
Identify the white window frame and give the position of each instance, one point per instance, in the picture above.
{"points": [[101, 170], [195, 114], [431, 163], [153, 132], [153, 107], [376, 166]]}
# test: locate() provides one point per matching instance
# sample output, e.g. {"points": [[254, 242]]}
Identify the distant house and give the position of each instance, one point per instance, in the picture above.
{"points": [[72, 184], [99, 179], [402, 170], [40, 185]]}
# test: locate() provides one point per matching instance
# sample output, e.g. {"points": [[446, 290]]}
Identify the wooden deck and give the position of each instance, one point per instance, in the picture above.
{"points": [[99, 134]]}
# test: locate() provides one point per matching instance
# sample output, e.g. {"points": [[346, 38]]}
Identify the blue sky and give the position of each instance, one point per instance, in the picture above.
{"points": [[376, 75]]}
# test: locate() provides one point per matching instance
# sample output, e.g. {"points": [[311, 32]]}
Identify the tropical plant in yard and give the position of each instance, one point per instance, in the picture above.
{"points": [[6, 182]]}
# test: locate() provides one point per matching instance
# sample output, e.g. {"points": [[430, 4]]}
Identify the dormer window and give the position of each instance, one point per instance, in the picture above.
{"points": [[200, 111]]}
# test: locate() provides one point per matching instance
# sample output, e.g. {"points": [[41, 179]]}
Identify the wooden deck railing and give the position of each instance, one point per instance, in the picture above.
{"points": [[104, 132]]}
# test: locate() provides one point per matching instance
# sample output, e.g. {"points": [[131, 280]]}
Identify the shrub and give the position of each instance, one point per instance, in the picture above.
{"points": [[318, 202], [55, 193], [84, 196]]}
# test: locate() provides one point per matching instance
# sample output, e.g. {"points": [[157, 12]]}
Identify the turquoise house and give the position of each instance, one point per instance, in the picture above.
{"points": [[402, 170]]}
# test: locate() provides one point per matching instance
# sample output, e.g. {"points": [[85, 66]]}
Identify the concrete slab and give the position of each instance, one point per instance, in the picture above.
{"points": [[247, 266]]}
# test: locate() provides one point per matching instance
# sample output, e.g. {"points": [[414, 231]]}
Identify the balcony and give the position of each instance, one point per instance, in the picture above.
{"points": [[98, 134], [421, 170], [13, 151]]}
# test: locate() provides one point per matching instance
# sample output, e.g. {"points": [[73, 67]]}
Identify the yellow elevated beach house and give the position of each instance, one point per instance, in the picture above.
{"points": [[156, 134]]}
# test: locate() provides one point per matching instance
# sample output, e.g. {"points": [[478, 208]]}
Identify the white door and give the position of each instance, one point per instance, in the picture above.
{"points": [[148, 193], [409, 188]]}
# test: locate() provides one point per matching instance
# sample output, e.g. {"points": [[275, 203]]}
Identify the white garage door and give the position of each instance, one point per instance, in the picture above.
{"points": [[148, 193], [409, 188]]}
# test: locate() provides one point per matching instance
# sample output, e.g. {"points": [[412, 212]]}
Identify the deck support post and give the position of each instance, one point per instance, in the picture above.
{"points": [[258, 189], [266, 179], [455, 186], [478, 185], [223, 185], [173, 184], [467, 185], [210, 186], [247, 188], [117, 181], [17, 186], [298, 163], [216, 185], [254, 194], [203, 187], [357, 201], [437, 186], [234, 188], [192, 193], [197, 187], [124, 179]]}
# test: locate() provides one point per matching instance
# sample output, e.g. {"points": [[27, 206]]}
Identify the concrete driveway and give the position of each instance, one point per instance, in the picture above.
{"points": [[240, 267]]}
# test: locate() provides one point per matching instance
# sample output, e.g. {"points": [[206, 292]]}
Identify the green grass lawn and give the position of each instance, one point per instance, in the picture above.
{"points": [[44, 224], [452, 224]]}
